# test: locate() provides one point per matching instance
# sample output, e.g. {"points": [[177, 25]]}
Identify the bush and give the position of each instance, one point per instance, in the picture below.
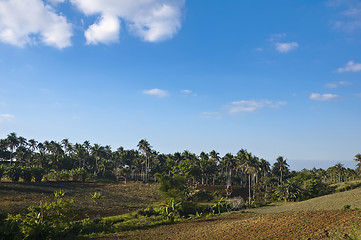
{"points": [[13, 172], [78, 174], [2, 171], [38, 173], [346, 207], [236, 203], [26, 174]]}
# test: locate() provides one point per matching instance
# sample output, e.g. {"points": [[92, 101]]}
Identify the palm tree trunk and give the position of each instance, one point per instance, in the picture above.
{"points": [[249, 188]]}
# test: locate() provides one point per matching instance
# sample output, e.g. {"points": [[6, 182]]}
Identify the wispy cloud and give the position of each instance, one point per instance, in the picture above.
{"points": [[5, 117], [28, 22], [186, 91], [252, 105], [211, 115], [323, 97], [348, 17], [337, 84], [156, 92], [351, 66], [358, 95], [286, 47]]}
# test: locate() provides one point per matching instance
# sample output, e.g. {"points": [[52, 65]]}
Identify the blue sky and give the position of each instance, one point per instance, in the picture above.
{"points": [[276, 78]]}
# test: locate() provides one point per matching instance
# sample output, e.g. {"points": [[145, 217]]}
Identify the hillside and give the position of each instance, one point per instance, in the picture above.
{"points": [[318, 218], [328, 202]]}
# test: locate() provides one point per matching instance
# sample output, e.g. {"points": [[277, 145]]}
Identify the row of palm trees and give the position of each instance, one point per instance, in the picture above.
{"points": [[243, 169]]}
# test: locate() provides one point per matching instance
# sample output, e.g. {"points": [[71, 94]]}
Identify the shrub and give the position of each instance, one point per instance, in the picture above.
{"points": [[2, 170], [26, 174], [346, 207], [38, 173], [236, 203], [13, 172]]}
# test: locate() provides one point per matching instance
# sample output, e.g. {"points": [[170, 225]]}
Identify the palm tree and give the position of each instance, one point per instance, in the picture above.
{"points": [[249, 166], [214, 161], [265, 166], [358, 160], [281, 166], [13, 142], [229, 163], [204, 165], [146, 150], [97, 152]]}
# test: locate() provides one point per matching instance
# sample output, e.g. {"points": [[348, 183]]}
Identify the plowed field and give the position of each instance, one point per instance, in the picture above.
{"points": [[287, 225]]}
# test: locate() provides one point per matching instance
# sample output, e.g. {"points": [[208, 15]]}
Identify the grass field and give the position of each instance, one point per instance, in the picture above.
{"points": [[116, 198]]}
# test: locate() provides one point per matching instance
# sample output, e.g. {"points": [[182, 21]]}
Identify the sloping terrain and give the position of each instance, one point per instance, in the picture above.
{"points": [[117, 198], [318, 218]]}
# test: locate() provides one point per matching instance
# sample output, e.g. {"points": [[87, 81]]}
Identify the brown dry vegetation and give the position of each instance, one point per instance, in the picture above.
{"points": [[117, 198], [288, 225]]}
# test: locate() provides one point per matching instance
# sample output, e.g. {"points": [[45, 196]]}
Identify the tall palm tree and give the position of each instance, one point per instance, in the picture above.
{"points": [[250, 166], [13, 143], [265, 166], [229, 163], [281, 166], [214, 161], [204, 165], [145, 148], [358, 160], [97, 152]]}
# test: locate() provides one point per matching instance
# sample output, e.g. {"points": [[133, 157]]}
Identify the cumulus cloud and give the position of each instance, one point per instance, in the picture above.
{"points": [[156, 92], [6, 117], [30, 21], [151, 20], [351, 66], [105, 31], [252, 105], [323, 97], [286, 47]]}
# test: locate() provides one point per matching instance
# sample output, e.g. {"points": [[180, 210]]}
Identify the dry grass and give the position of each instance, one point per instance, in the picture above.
{"points": [[329, 202], [117, 198]]}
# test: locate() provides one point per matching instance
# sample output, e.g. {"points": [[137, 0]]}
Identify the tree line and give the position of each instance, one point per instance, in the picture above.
{"points": [[243, 169]]}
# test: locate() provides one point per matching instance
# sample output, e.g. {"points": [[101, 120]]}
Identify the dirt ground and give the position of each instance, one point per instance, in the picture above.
{"points": [[287, 225]]}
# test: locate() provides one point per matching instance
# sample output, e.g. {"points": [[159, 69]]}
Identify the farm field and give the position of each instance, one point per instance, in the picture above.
{"points": [[117, 198], [287, 225], [318, 218]]}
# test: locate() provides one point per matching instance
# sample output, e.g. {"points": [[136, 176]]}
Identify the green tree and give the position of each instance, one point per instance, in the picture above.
{"points": [[280, 167], [146, 150]]}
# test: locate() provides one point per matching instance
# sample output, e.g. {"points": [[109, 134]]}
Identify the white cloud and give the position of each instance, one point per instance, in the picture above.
{"points": [[323, 97], [105, 31], [151, 20], [29, 21], [6, 117], [351, 66], [252, 105], [156, 92], [286, 47]]}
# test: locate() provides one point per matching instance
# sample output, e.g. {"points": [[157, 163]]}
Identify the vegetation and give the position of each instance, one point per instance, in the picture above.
{"points": [[96, 178]]}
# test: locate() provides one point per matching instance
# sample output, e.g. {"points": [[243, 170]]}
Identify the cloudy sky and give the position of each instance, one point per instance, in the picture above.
{"points": [[273, 77]]}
